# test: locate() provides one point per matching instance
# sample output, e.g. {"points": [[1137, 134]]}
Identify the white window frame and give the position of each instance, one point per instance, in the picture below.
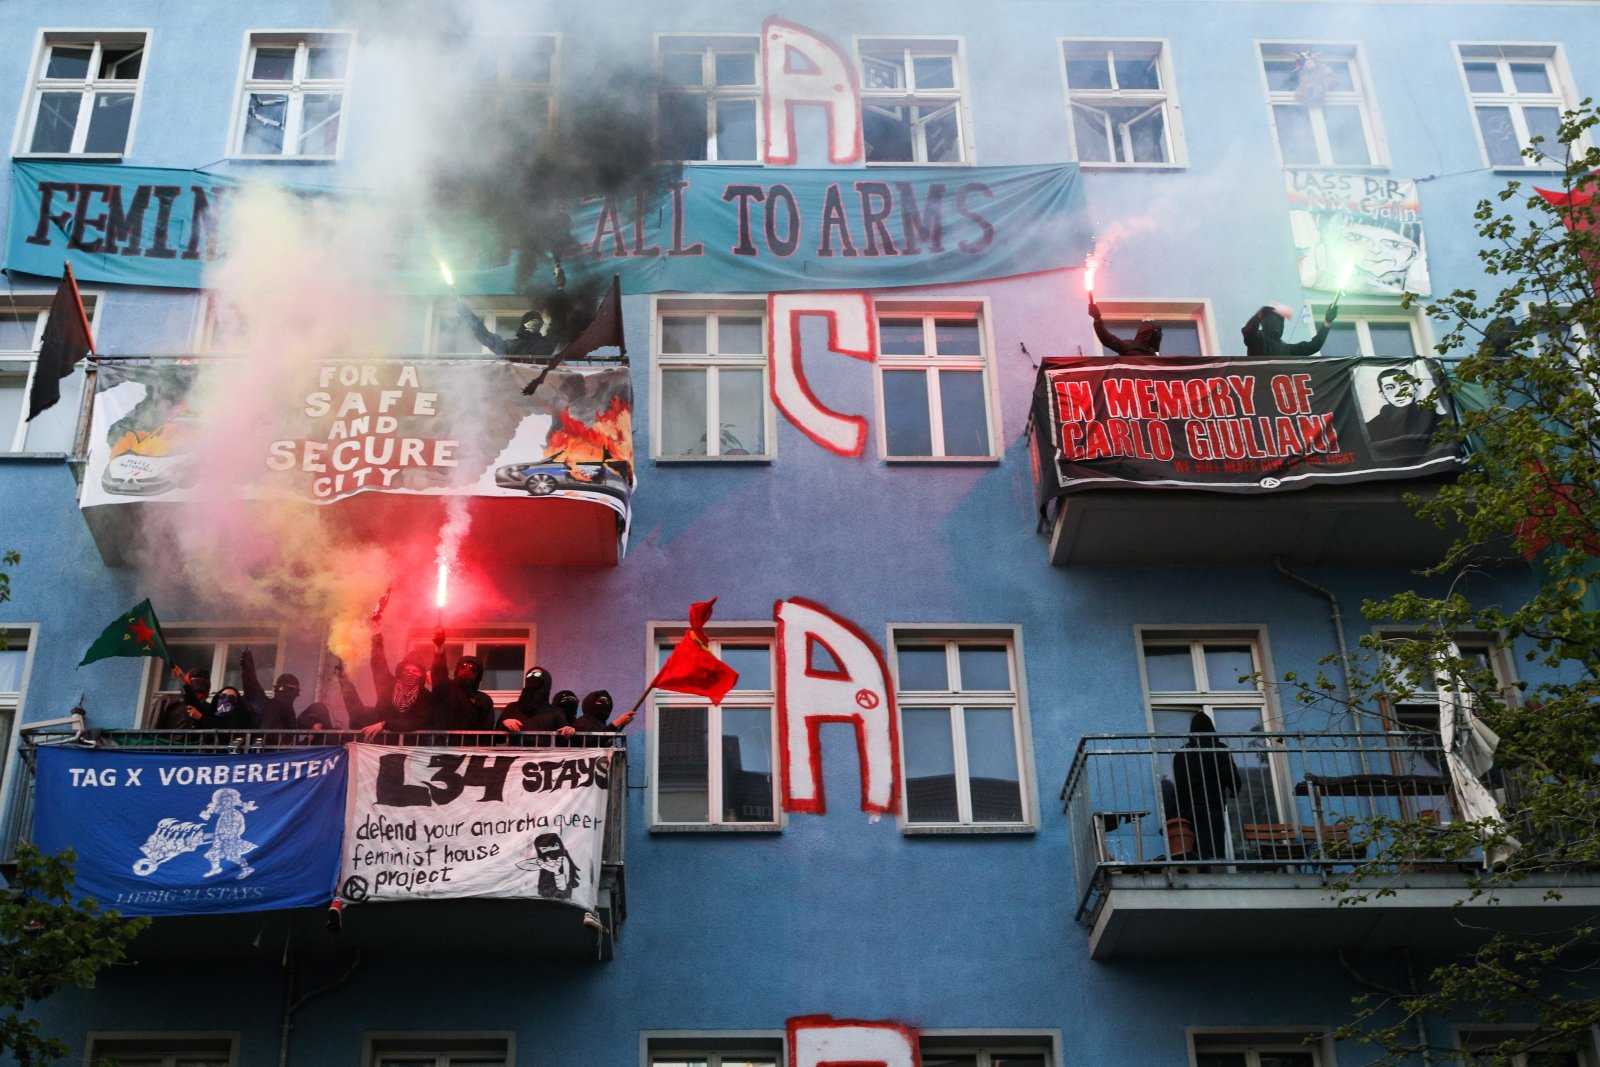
{"points": [[1363, 316], [984, 1045], [469, 637], [25, 364], [719, 1048], [1123, 312], [491, 309], [1166, 97], [228, 639], [1502, 55], [666, 307], [91, 87], [718, 634], [20, 637], [950, 637], [929, 312], [444, 1045], [908, 49], [147, 1043], [709, 45], [1361, 98], [508, 90], [1482, 1038], [1252, 1041], [297, 88]]}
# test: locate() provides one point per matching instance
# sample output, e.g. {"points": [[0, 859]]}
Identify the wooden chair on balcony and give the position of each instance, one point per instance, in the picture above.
{"points": [[1273, 841], [1331, 841]]}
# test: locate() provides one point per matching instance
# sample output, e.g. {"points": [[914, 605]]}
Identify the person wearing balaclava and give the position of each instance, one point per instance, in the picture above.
{"points": [[315, 718], [567, 701], [533, 334], [184, 710], [1263, 334], [275, 712], [532, 711], [228, 710], [1204, 777], [465, 706], [596, 715], [403, 703], [1146, 340]]}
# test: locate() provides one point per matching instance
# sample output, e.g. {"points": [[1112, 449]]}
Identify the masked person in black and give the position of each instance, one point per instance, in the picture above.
{"points": [[184, 710], [275, 712], [532, 711], [533, 337], [315, 718], [567, 701], [1263, 334], [1146, 340], [597, 708], [465, 706], [403, 704], [1204, 778]]}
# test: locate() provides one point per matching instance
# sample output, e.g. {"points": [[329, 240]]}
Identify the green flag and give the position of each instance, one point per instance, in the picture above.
{"points": [[133, 633]]}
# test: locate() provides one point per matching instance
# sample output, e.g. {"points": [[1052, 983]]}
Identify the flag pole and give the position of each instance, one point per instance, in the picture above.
{"points": [[78, 298]]}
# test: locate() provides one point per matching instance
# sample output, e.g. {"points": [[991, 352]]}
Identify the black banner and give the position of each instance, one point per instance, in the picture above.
{"points": [[1234, 426]]}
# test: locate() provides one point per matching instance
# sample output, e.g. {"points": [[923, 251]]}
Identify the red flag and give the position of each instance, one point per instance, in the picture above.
{"points": [[692, 668], [66, 341]]}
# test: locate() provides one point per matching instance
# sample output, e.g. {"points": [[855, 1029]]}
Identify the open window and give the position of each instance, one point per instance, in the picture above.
{"points": [[85, 94], [1122, 104], [912, 104], [291, 96]]}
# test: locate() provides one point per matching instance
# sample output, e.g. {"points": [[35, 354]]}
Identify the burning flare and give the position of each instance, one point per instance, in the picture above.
{"points": [[1344, 276], [1090, 266], [442, 589], [449, 279]]}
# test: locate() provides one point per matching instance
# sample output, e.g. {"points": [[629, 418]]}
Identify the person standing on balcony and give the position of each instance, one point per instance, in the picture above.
{"points": [[1263, 334], [275, 712], [184, 710], [1204, 778], [533, 711], [465, 706], [402, 703], [567, 701], [1146, 340], [597, 714]]}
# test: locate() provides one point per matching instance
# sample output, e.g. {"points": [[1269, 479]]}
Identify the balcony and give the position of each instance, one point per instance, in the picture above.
{"points": [[1161, 870], [520, 928], [1156, 461], [371, 451]]}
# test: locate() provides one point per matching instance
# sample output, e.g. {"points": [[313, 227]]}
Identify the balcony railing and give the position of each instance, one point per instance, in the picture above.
{"points": [[1261, 802]]}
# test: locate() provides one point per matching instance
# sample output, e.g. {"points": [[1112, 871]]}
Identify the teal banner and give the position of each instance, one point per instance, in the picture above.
{"points": [[708, 229]]}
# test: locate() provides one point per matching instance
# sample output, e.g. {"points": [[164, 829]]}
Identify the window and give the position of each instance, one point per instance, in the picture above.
{"points": [[1413, 707], [171, 1050], [959, 729], [911, 104], [1517, 93], [1258, 1049], [215, 649], [1384, 333], [1183, 330], [451, 336], [710, 393], [22, 317], [438, 1050], [706, 1050], [933, 377], [1319, 99], [85, 93], [707, 108], [1482, 1046], [1121, 101], [513, 78], [291, 101], [713, 765], [504, 652], [15, 643], [934, 1050]]}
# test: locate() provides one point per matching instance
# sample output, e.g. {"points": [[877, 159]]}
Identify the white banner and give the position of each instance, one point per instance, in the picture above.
{"points": [[432, 823]]}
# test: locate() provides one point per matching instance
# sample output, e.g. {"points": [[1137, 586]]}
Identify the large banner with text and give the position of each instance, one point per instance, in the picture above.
{"points": [[428, 823], [704, 229], [1238, 426], [183, 835], [332, 430]]}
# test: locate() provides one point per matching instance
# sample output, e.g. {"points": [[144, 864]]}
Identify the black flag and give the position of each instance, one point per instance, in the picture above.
{"points": [[603, 331], [66, 340]]}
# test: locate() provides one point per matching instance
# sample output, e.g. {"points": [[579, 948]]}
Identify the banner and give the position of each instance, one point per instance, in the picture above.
{"points": [[186, 835], [441, 427], [430, 823], [1236, 426], [1357, 232], [767, 229], [710, 229]]}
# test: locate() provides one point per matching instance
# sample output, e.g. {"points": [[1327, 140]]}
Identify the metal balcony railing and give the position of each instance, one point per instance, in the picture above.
{"points": [[19, 812], [1253, 802]]}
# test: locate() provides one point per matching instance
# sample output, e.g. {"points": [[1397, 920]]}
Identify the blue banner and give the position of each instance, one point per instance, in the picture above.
{"points": [[777, 229], [710, 229], [158, 834]]}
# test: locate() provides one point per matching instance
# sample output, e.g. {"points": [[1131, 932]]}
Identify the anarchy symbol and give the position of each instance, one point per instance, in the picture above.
{"points": [[867, 698], [355, 888]]}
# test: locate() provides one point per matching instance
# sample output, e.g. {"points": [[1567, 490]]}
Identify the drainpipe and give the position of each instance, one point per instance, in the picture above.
{"points": [[291, 1004], [1337, 617]]}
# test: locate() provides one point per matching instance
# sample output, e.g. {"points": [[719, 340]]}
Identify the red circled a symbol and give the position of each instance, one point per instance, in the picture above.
{"points": [[867, 698]]}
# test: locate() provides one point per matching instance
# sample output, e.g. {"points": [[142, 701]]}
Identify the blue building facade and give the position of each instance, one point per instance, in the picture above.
{"points": [[933, 851]]}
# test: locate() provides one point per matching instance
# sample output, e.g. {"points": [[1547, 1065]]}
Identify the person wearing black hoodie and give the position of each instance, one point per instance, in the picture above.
{"points": [[275, 712], [532, 711], [465, 706], [402, 704], [567, 701], [597, 713], [1204, 778], [1146, 340], [1263, 334]]}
